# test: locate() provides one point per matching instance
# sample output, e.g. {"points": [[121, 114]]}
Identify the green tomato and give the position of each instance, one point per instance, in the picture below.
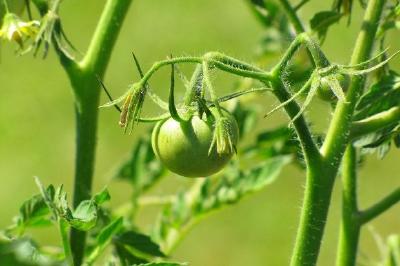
{"points": [[325, 92], [183, 147]]}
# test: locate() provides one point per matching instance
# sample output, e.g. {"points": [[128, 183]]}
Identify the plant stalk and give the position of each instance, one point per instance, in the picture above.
{"points": [[320, 183], [86, 88], [314, 213], [350, 225]]}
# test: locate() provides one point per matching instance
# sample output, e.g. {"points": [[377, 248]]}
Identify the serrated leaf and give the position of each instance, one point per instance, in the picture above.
{"points": [[34, 212], [382, 95], [102, 196], [142, 168], [84, 216], [126, 257], [139, 242], [246, 118], [104, 238], [321, 22], [210, 194]]}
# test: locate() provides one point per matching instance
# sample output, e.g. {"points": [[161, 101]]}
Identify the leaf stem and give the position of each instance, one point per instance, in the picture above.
{"points": [[375, 122], [380, 207], [310, 149], [292, 15], [63, 227]]}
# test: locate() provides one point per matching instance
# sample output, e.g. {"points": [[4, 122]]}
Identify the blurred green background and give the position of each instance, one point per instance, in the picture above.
{"points": [[37, 129]]}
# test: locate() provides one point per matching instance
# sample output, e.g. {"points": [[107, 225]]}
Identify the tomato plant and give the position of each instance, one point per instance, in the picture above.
{"points": [[199, 137]]}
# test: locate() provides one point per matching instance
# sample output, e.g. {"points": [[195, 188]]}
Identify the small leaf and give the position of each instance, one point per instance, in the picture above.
{"points": [[139, 242], [34, 212], [102, 196], [321, 21], [84, 216]]}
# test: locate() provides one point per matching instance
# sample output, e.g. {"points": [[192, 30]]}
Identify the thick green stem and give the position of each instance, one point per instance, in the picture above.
{"points": [[319, 187], [350, 225], [314, 214], [87, 93]]}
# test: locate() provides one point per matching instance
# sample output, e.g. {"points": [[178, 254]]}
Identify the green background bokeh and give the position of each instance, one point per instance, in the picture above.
{"points": [[37, 129]]}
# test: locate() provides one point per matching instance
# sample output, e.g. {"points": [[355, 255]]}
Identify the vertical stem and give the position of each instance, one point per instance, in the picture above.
{"points": [[86, 112], [319, 184], [291, 13], [350, 224], [313, 217], [338, 132], [87, 93]]}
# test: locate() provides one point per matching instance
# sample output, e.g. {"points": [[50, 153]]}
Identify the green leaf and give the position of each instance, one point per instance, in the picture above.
{"points": [[104, 238], [126, 256], [210, 194], [381, 96], [24, 252], [34, 212], [246, 117], [142, 168], [139, 242], [84, 216], [321, 22], [102, 196]]}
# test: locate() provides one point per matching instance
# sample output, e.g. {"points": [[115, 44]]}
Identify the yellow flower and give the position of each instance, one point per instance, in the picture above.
{"points": [[15, 29]]}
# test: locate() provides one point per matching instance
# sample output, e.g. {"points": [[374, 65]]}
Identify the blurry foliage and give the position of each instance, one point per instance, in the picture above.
{"points": [[381, 96]]}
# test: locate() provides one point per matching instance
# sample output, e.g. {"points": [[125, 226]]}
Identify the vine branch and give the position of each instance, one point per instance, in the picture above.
{"points": [[380, 207]]}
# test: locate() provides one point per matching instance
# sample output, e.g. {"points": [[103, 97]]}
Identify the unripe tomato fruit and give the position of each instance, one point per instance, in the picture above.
{"points": [[325, 92], [183, 147]]}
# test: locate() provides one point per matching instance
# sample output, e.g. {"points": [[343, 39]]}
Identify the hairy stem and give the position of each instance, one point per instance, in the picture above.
{"points": [[350, 225], [87, 93], [381, 206], [319, 184], [315, 208], [375, 122], [338, 132], [309, 147]]}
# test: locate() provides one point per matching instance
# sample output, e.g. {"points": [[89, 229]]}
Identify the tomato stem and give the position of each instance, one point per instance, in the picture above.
{"points": [[87, 91]]}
